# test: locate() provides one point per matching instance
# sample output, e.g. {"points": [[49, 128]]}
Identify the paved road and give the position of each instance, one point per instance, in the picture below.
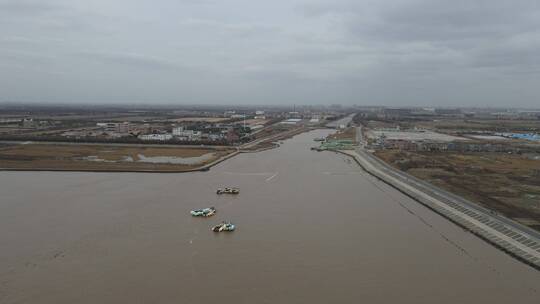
{"points": [[360, 137]]}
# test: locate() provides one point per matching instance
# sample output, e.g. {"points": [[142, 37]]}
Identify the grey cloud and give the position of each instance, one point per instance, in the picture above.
{"points": [[239, 29], [26, 6], [515, 57], [134, 60], [245, 51], [480, 30], [26, 57], [431, 20], [313, 55]]}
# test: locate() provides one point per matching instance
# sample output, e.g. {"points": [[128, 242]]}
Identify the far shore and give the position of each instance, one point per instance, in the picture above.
{"points": [[118, 158]]}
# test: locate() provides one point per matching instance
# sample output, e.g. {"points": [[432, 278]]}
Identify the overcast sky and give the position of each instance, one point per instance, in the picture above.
{"points": [[391, 52]]}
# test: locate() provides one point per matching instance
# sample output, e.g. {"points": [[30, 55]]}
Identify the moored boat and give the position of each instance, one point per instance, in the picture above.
{"points": [[206, 212], [224, 226], [228, 190]]}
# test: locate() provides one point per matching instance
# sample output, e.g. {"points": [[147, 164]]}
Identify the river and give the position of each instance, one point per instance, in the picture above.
{"points": [[312, 228]]}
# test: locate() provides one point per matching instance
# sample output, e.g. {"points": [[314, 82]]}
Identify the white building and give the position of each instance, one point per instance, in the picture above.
{"points": [[159, 137], [214, 137], [178, 131], [187, 134], [291, 121]]}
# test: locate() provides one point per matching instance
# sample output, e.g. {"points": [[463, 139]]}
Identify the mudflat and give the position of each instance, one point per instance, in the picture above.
{"points": [[110, 157]]}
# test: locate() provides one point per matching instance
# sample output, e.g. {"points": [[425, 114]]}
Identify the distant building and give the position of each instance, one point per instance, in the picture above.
{"points": [[28, 123], [158, 137], [10, 120], [123, 127], [450, 112], [293, 114], [183, 134], [391, 113], [529, 114], [229, 113], [178, 131], [315, 119], [291, 121]]}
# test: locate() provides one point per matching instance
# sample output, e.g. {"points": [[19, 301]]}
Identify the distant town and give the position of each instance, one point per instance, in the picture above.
{"points": [[403, 128], [177, 126]]}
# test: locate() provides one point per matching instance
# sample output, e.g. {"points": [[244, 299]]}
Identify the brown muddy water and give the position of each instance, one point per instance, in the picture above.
{"points": [[312, 228]]}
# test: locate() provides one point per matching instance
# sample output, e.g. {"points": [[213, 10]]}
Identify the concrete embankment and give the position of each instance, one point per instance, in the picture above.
{"points": [[513, 238]]}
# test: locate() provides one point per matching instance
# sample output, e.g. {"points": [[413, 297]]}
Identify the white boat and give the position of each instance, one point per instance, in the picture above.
{"points": [[206, 212]]}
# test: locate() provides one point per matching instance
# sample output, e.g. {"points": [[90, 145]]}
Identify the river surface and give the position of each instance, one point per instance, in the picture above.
{"points": [[312, 227]]}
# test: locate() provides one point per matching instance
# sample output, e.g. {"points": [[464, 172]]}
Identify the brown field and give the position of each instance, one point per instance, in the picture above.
{"points": [[349, 133], [112, 158], [506, 183]]}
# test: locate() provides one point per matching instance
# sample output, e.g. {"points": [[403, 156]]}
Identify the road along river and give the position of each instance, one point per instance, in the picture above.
{"points": [[312, 228]]}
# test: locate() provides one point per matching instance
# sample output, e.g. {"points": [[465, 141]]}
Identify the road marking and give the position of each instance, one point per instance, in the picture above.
{"points": [[271, 177]]}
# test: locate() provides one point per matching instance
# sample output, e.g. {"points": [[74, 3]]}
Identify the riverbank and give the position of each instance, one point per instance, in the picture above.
{"points": [[513, 238], [137, 158]]}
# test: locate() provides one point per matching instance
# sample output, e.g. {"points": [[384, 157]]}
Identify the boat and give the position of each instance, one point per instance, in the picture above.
{"points": [[206, 212], [319, 139], [224, 226], [228, 190]]}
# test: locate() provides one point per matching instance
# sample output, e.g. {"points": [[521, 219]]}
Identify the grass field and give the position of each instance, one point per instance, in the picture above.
{"points": [[103, 157]]}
